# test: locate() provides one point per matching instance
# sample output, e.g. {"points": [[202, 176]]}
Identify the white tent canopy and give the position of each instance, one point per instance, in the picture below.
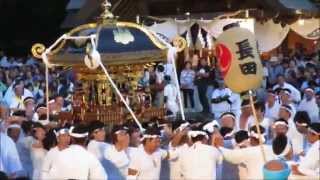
{"points": [[269, 35]]}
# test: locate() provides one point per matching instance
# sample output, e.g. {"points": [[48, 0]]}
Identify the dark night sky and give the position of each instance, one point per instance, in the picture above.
{"points": [[25, 22]]}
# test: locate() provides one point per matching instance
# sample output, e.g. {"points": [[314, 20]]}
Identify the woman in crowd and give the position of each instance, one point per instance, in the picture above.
{"points": [[187, 84]]}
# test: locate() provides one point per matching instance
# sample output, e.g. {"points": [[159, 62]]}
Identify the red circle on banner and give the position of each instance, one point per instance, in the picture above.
{"points": [[224, 56]]}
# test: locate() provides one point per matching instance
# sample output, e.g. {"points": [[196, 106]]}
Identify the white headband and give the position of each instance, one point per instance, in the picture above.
{"points": [[279, 123], [120, 130], [148, 136], [245, 142], [229, 134], [256, 135], [44, 122], [287, 109], [286, 149], [309, 89], [77, 135], [302, 124], [193, 134], [14, 126], [313, 131], [210, 126], [183, 126], [61, 131]]}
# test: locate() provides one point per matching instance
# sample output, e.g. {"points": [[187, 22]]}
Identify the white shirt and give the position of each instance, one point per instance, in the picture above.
{"points": [[272, 112], [251, 157], [295, 93], [310, 164], [199, 161], [37, 157], [9, 157], [98, 148], [296, 138], [11, 100], [76, 162], [175, 163], [264, 123], [147, 165], [219, 108], [311, 107], [119, 158], [236, 105], [48, 162], [171, 92], [23, 146]]}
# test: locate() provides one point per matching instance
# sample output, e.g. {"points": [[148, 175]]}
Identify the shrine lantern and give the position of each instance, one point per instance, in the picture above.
{"points": [[239, 60]]}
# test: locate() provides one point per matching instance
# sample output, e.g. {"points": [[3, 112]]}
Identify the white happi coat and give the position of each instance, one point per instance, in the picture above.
{"points": [[175, 163], [295, 93], [24, 146], [98, 148], [251, 157], [219, 108], [48, 162], [9, 157], [310, 164], [199, 161], [147, 165], [311, 107], [296, 138], [272, 112], [120, 159], [76, 162], [171, 92]]}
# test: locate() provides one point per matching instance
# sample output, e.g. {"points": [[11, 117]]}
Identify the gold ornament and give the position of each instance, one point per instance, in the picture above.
{"points": [[37, 50], [180, 43]]}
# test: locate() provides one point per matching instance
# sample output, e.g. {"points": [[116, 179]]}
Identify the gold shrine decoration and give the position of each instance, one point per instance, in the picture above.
{"points": [[37, 50], [180, 43]]}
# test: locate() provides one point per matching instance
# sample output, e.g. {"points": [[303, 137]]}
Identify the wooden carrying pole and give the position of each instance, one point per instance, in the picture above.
{"points": [[257, 125]]}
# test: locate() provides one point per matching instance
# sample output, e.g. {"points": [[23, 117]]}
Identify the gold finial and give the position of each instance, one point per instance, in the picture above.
{"points": [[37, 50], [106, 14]]}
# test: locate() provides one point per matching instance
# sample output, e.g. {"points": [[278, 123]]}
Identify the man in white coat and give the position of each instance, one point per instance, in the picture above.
{"points": [[171, 96], [220, 100], [76, 162], [145, 162], [295, 93], [199, 161], [310, 164], [250, 156], [63, 141], [9, 158], [309, 105]]}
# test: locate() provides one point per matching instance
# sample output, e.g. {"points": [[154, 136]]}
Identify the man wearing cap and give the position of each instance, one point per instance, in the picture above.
{"points": [[63, 142], [272, 106], [295, 93], [309, 165], [220, 100], [76, 162], [309, 105]]}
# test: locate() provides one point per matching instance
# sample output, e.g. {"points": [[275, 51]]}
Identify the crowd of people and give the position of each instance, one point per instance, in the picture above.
{"points": [[35, 146]]}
